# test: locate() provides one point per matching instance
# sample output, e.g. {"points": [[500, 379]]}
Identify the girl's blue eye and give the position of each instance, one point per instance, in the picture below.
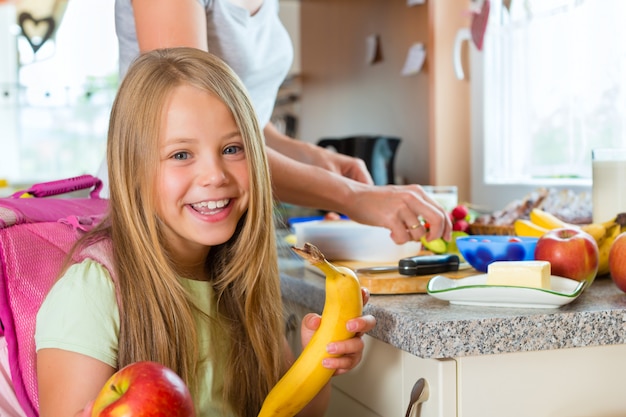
{"points": [[181, 156], [233, 149]]}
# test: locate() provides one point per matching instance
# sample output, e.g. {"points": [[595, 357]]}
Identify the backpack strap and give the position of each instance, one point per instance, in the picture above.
{"points": [[31, 256]]}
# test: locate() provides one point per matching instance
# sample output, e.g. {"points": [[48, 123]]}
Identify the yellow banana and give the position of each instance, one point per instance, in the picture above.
{"points": [[547, 220], [524, 227], [550, 221], [605, 247], [596, 230], [607, 224], [306, 377]]}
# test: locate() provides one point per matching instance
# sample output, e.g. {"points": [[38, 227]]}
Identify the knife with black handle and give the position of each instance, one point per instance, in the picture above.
{"points": [[418, 265]]}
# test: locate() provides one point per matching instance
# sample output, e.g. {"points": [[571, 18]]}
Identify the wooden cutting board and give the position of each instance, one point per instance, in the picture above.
{"points": [[394, 282]]}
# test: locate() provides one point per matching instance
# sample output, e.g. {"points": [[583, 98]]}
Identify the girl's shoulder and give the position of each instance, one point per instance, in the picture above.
{"points": [[100, 251], [87, 276], [80, 313]]}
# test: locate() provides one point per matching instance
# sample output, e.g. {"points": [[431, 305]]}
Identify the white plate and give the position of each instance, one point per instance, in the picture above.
{"points": [[474, 291], [347, 240]]}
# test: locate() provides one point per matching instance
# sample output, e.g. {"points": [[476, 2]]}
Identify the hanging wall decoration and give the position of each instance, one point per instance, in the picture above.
{"points": [[36, 31], [39, 20], [479, 24]]}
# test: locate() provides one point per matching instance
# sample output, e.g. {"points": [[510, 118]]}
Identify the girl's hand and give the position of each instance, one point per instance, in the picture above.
{"points": [[86, 412], [351, 350]]}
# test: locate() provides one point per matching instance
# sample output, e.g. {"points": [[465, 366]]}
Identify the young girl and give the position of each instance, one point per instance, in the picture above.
{"points": [[249, 36], [185, 265]]}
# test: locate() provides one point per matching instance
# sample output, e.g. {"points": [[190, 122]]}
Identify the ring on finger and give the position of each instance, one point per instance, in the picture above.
{"points": [[415, 226]]}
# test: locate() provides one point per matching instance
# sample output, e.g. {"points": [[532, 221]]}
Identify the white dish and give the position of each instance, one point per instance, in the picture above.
{"points": [[474, 291], [347, 240]]}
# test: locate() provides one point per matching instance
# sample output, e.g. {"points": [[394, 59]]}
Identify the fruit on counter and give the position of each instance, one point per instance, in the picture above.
{"points": [[440, 246], [603, 233], [571, 252], [546, 220], [597, 230], [144, 389], [526, 228], [604, 246], [617, 261], [306, 377], [452, 246], [436, 245], [460, 225], [460, 212], [460, 217], [541, 221]]}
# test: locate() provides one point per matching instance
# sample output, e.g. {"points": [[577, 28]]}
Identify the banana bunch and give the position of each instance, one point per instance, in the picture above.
{"points": [[307, 376], [603, 233]]}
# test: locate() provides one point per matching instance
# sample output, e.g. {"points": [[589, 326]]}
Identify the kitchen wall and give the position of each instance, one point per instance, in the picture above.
{"points": [[343, 95]]}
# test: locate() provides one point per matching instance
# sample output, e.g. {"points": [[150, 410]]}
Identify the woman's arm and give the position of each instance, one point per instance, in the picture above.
{"points": [[68, 382], [167, 23], [310, 154], [392, 206]]}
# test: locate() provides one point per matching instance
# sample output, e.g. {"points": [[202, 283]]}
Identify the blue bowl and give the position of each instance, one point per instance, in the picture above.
{"points": [[481, 250]]}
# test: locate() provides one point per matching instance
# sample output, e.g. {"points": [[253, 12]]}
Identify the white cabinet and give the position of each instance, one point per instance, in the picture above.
{"points": [[381, 385], [577, 382], [574, 382], [383, 381]]}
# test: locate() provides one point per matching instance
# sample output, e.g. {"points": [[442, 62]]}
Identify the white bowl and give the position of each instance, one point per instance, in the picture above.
{"points": [[347, 240]]}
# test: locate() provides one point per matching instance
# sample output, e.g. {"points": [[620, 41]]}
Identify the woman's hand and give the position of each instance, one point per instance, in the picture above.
{"points": [[350, 350], [403, 209], [344, 165]]}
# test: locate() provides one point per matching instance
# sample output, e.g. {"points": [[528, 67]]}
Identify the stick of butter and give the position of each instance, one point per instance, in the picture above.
{"points": [[535, 274]]}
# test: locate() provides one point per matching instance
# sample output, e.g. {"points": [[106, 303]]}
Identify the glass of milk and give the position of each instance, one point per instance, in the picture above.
{"points": [[445, 195], [609, 183]]}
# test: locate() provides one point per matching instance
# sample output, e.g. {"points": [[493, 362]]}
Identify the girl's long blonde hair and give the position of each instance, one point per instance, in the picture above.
{"points": [[156, 314]]}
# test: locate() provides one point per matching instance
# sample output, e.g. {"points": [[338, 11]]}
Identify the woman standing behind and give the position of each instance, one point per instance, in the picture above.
{"points": [[249, 37], [183, 271]]}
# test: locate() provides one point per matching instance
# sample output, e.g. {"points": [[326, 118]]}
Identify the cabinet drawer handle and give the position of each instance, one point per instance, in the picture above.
{"points": [[419, 394]]}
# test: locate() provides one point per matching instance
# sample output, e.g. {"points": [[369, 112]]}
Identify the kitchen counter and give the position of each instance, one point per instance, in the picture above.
{"points": [[434, 329]]}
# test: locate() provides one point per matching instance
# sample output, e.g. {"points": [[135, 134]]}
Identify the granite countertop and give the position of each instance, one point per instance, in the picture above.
{"points": [[431, 328]]}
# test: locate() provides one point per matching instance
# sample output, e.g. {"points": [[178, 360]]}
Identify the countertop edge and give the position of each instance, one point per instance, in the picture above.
{"points": [[430, 328]]}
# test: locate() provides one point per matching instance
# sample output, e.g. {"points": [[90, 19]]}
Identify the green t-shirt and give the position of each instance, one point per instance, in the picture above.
{"points": [[80, 314]]}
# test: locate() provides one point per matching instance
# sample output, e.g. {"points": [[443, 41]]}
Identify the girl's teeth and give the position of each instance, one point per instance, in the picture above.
{"points": [[211, 205]]}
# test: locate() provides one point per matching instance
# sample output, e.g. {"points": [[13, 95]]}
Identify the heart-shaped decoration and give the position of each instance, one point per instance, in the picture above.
{"points": [[36, 31], [479, 24]]}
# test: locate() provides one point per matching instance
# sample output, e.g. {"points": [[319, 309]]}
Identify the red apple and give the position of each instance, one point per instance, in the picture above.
{"points": [[460, 226], [617, 261], [571, 252], [144, 389], [459, 213]]}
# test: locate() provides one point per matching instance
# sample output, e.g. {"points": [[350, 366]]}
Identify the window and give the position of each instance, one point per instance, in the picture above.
{"points": [[548, 86], [55, 101]]}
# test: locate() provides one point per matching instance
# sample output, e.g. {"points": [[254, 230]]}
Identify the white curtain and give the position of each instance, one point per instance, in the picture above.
{"points": [[554, 87]]}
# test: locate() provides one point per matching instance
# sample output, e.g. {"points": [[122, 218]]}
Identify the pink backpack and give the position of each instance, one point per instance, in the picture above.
{"points": [[35, 236]]}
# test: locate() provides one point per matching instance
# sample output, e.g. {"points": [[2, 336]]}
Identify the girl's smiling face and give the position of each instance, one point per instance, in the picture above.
{"points": [[202, 187]]}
